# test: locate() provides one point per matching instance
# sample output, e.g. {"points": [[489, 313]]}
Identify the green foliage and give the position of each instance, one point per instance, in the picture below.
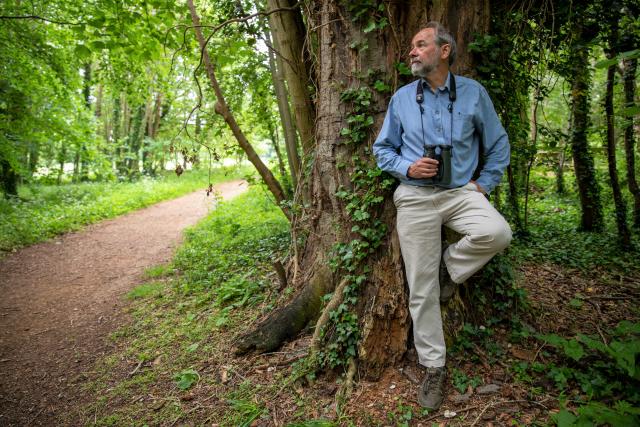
{"points": [[43, 211], [553, 236], [403, 415], [601, 371], [186, 379], [462, 381], [496, 291]]}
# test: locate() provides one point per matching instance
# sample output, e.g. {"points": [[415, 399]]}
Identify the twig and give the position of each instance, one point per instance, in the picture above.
{"points": [[606, 297], [132, 373], [185, 414], [491, 403], [538, 352], [470, 408], [597, 307]]}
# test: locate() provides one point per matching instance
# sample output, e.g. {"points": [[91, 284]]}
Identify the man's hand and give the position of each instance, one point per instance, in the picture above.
{"points": [[424, 167], [478, 186]]}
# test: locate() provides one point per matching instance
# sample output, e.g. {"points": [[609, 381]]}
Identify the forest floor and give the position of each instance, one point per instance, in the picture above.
{"points": [[62, 298], [168, 359]]}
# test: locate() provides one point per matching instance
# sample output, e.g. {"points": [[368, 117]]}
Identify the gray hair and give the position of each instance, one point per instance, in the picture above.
{"points": [[443, 36]]}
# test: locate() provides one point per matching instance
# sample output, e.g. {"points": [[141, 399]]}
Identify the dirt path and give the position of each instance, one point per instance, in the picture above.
{"points": [[59, 300]]}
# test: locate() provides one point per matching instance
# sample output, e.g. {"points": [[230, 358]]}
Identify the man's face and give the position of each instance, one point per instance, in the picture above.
{"points": [[425, 54]]}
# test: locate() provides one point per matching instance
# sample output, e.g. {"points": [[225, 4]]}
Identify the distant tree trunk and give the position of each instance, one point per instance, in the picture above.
{"points": [[588, 186], [629, 76], [135, 143], [8, 179], [382, 305], [153, 124], [62, 158], [273, 134], [621, 209], [277, 75], [289, 34], [116, 133], [86, 91], [99, 97], [560, 170], [222, 109]]}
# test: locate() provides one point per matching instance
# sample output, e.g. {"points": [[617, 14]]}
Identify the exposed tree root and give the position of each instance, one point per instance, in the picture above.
{"points": [[287, 322]]}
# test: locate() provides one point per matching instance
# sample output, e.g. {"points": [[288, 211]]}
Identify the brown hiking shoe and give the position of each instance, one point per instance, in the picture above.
{"points": [[447, 285], [431, 390]]}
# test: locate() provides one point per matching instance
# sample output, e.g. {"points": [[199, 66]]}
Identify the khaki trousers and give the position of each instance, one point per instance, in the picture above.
{"points": [[421, 213]]}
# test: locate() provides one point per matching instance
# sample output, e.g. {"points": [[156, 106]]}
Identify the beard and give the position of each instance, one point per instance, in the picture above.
{"points": [[420, 69]]}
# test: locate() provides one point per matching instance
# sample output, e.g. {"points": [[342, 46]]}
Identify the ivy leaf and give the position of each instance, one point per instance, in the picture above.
{"points": [[371, 25]]}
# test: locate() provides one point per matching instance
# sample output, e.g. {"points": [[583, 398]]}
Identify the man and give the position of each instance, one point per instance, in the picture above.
{"points": [[451, 113]]}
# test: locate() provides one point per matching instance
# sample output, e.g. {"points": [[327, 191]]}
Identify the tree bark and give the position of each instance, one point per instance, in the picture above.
{"points": [[222, 109], [589, 189], [620, 206], [382, 306], [629, 76], [289, 40], [282, 98]]}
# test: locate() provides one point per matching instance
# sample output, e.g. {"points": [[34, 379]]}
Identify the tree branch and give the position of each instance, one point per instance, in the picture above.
{"points": [[40, 18]]}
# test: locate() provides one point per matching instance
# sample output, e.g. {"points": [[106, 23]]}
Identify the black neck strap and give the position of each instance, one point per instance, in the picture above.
{"points": [[452, 90]]}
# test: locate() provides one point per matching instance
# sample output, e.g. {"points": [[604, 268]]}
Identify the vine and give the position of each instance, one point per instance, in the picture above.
{"points": [[341, 332]]}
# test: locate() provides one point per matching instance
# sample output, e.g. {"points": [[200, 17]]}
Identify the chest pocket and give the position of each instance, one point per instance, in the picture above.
{"points": [[463, 127]]}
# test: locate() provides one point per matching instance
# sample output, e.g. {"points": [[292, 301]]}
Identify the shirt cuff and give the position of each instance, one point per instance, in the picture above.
{"points": [[403, 167]]}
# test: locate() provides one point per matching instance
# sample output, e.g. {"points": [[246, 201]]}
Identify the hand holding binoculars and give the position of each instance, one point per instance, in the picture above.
{"points": [[444, 163]]}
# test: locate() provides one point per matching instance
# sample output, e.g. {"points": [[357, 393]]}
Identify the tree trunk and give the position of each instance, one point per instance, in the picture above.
{"points": [[222, 109], [341, 167], [589, 189], [629, 76], [8, 179], [289, 40], [277, 75], [135, 143], [621, 208]]}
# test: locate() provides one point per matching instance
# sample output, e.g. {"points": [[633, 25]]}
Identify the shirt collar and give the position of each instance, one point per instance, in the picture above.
{"points": [[446, 85]]}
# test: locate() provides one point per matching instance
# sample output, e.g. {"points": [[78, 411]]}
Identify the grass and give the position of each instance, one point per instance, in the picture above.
{"points": [[43, 211], [220, 281], [219, 276]]}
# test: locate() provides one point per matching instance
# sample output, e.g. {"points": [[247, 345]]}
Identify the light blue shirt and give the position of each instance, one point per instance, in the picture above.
{"points": [[400, 142]]}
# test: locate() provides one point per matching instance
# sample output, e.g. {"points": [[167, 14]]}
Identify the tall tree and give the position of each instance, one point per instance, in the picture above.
{"points": [[350, 223], [223, 110], [611, 34], [282, 97], [580, 79], [289, 39]]}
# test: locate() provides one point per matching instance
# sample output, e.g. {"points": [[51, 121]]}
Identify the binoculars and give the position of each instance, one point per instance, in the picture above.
{"points": [[444, 163]]}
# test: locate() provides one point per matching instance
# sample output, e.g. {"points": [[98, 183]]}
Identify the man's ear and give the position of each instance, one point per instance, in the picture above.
{"points": [[445, 50]]}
